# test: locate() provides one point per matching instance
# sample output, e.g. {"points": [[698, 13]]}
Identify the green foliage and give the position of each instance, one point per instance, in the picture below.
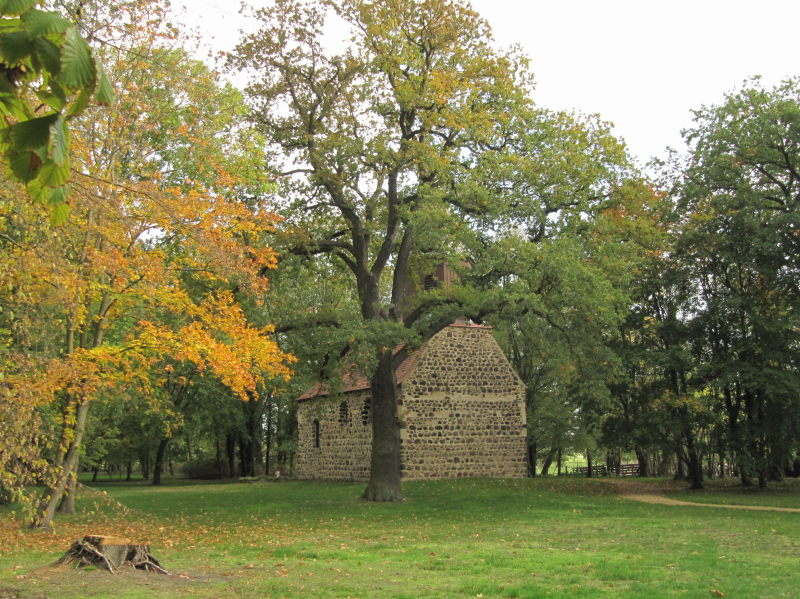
{"points": [[167, 205], [740, 248], [709, 347], [43, 55], [77, 67], [418, 145]]}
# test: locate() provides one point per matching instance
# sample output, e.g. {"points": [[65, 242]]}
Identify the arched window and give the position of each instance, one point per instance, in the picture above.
{"points": [[344, 414], [365, 415], [316, 433]]}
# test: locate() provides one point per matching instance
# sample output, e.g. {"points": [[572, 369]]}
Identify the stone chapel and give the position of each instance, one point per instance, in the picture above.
{"points": [[461, 409]]}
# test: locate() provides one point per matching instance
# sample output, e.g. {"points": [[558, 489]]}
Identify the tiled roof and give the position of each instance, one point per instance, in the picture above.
{"points": [[358, 382], [470, 325]]}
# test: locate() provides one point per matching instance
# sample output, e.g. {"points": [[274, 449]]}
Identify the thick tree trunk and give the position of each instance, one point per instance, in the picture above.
{"points": [[67, 505], [282, 462], [230, 451], [158, 467], [268, 440], [756, 461], [548, 461], [250, 440], [384, 480], [69, 463], [612, 463], [246, 457], [220, 470], [532, 460], [644, 463], [694, 461], [680, 473], [776, 473], [588, 464]]}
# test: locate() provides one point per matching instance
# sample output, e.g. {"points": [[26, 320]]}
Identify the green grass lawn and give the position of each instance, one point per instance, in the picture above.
{"points": [[544, 537]]}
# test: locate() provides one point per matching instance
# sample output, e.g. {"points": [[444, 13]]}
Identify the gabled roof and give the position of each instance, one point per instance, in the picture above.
{"points": [[357, 382]]}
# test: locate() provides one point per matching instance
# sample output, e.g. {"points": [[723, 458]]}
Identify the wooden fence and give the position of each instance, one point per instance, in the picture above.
{"points": [[601, 470]]}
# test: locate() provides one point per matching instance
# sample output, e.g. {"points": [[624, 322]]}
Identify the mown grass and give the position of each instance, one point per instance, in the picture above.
{"points": [[536, 538]]}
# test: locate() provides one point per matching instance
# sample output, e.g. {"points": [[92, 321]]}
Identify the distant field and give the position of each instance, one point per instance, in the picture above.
{"points": [[545, 537]]}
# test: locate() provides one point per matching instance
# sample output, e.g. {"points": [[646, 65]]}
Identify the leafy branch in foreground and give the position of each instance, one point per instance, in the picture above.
{"points": [[48, 75]]}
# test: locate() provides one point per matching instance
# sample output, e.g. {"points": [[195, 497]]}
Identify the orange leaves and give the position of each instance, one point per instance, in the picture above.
{"points": [[82, 374], [218, 340], [125, 286], [225, 237]]}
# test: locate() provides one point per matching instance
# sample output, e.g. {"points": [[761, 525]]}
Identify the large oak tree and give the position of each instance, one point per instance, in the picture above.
{"points": [[416, 145]]}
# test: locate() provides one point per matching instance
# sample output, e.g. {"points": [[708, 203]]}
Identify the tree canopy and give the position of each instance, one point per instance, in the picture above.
{"points": [[164, 241], [417, 145], [215, 240]]}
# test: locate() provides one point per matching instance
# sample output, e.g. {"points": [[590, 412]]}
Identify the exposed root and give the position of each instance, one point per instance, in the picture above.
{"points": [[111, 554]]}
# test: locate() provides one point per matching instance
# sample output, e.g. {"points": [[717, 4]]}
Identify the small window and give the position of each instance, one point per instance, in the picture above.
{"points": [[344, 414], [430, 282], [365, 411], [316, 433]]}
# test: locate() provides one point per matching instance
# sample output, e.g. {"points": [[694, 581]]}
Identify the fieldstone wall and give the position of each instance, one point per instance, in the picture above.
{"points": [[345, 437], [461, 412]]}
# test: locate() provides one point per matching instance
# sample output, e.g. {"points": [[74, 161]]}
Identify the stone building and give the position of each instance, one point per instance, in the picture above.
{"points": [[461, 409]]}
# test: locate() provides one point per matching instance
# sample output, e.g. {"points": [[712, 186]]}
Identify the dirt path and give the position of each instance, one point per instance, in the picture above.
{"points": [[661, 500], [647, 492]]}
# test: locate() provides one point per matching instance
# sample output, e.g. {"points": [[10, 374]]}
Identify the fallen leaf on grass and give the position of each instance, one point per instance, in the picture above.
{"points": [[717, 592]]}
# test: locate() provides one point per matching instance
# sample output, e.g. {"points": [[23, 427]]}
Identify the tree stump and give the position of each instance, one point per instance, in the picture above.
{"points": [[110, 553]]}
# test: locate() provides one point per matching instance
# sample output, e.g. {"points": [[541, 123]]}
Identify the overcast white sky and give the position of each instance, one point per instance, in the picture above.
{"points": [[641, 64]]}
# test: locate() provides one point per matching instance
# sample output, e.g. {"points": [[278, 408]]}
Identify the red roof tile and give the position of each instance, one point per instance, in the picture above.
{"points": [[358, 382]]}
